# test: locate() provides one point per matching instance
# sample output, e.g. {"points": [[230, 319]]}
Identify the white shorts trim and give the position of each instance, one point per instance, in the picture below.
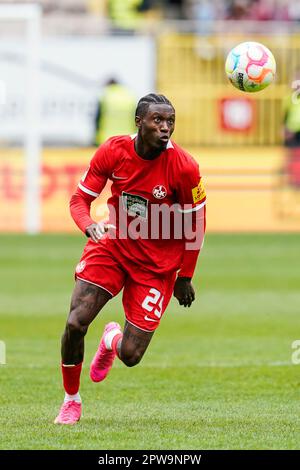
{"points": [[138, 327], [88, 191], [98, 285]]}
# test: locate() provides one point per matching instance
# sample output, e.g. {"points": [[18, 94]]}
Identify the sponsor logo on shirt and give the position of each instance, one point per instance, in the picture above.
{"points": [[159, 191], [80, 267], [198, 192], [135, 205]]}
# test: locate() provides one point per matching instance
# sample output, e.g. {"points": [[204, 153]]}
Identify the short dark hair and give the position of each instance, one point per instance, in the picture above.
{"points": [[152, 98]]}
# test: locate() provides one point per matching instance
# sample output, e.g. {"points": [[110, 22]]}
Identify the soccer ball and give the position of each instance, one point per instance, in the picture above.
{"points": [[250, 66]]}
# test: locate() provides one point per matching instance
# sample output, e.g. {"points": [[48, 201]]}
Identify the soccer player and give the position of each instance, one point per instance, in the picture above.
{"points": [[148, 247]]}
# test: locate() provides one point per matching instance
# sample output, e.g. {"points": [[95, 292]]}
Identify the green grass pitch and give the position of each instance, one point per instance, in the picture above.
{"points": [[216, 376]]}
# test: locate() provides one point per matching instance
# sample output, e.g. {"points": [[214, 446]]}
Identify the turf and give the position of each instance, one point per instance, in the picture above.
{"points": [[216, 376]]}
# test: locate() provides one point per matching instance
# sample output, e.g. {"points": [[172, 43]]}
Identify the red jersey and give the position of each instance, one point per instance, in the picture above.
{"points": [[139, 188]]}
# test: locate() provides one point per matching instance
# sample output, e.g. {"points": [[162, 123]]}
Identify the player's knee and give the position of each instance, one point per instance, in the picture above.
{"points": [[131, 359], [75, 326]]}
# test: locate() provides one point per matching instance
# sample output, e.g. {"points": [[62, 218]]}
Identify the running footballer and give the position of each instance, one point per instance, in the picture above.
{"points": [[148, 247]]}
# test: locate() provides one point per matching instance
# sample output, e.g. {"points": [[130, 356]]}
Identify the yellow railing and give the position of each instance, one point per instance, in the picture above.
{"points": [[190, 71]]}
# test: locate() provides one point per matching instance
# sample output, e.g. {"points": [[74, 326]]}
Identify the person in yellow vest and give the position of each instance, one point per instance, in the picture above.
{"points": [[292, 115], [292, 134], [125, 14], [115, 112]]}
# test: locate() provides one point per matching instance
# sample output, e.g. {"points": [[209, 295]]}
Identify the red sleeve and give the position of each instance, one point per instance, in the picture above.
{"points": [[99, 170], [90, 186], [189, 188], [195, 243], [80, 205], [192, 199]]}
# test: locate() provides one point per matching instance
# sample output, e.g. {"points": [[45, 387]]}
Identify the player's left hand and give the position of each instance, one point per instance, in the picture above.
{"points": [[184, 291]]}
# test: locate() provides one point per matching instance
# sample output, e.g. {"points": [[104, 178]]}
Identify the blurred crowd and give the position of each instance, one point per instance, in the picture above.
{"points": [[205, 10], [259, 10]]}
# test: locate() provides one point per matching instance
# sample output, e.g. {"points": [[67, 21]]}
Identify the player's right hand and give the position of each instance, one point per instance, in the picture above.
{"points": [[97, 230]]}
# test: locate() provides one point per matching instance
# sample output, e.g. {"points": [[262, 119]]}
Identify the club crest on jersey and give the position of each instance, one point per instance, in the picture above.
{"points": [[159, 191], [80, 267]]}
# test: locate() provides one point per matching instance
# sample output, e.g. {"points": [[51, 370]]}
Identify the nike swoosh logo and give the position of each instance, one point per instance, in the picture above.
{"points": [[119, 177], [149, 319]]}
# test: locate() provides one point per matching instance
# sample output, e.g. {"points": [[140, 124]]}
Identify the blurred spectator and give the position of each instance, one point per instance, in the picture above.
{"points": [[294, 10], [264, 10], [127, 14], [206, 10], [239, 10], [292, 115], [281, 10], [115, 112], [202, 10], [174, 8], [292, 133]]}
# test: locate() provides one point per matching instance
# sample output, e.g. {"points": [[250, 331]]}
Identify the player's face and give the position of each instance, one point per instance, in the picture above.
{"points": [[157, 126]]}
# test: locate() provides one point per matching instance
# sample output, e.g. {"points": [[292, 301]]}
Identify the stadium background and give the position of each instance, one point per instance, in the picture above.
{"points": [[236, 342]]}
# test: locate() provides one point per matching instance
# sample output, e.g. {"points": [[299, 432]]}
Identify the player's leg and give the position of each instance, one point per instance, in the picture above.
{"points": [[145, 298], [129, 346], [133, 344], [87, 301], [99, 277]]}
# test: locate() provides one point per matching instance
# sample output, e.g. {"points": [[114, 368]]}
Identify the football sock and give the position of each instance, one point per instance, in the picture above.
{"points": [[75, 397], [109, 337], [71, 377], [114, 343]]}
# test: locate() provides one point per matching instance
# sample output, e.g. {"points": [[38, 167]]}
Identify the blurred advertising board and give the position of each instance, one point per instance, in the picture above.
{"points": [[237, 114], [61, 172], [249, 194], [72, 75]]}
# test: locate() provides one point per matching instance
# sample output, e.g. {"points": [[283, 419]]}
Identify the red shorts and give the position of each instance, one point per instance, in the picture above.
{"points": [[145, 295]]}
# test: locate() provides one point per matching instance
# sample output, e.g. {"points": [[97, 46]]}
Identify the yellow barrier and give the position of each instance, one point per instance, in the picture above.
{"points": [[246, 189], [190, 71], [61, 172]]}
